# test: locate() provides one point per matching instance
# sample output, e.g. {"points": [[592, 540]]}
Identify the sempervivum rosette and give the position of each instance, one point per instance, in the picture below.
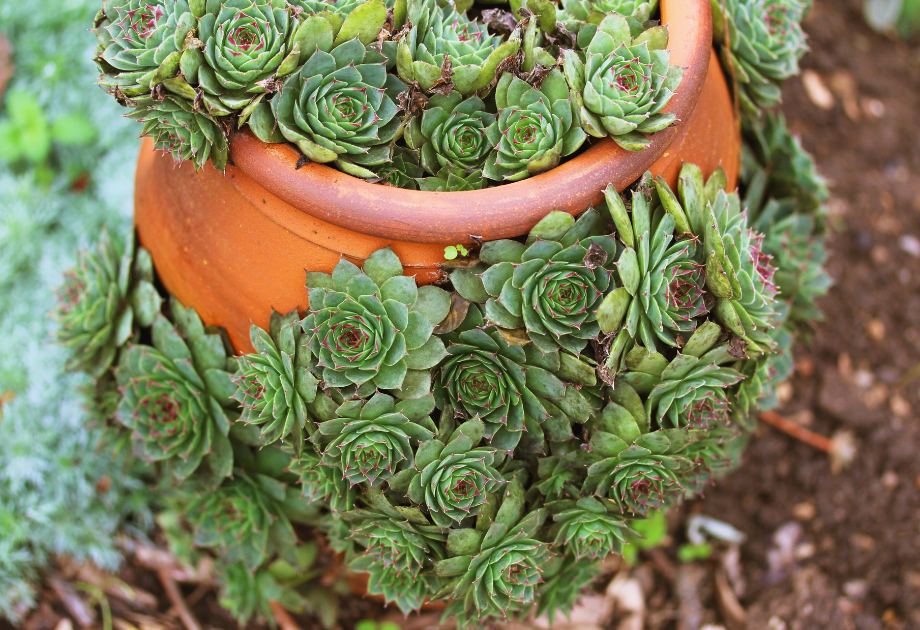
{"points": [[593, 11], [103, 299], [451, 133], [372, 329], [511, 388], [662, 292], [370, 441], [455, 477], [245, 42], [762, 44], [587, 529], [141, 42], [178, 129], [339, 107], [623, 82], [553, 287], [274, 384], [442, 36], [174, 396], [535, 129], [495, 569], [689, 390]]}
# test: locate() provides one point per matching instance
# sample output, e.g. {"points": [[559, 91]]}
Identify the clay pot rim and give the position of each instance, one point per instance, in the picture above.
{"points": [[498, 212]]}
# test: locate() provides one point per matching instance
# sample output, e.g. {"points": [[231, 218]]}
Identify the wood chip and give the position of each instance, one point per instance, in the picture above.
{"points": [[78, 609], [818, 93], [733, 613], [175, 597], [283, 617]]}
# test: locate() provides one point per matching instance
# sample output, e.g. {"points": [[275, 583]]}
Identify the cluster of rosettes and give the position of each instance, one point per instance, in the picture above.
{"points": [[485, 441], [407, 92]]}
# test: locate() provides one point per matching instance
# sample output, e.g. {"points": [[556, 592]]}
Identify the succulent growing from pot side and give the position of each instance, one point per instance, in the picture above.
{"points": [[174, 395], [339, 107], [108, 292], [442, 38], [623, 82], [177, 129], [535, 128], [553, 287], [141, 43], [372, 329], [762, 42], [370, 441], [274, 384], [662, 292], [451, 133]]}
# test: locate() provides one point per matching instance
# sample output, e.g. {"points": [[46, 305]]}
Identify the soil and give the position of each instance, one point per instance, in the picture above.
{"points": [[824, 549]]}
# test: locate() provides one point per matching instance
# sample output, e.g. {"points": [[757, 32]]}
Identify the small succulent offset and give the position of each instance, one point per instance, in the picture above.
{"points": [[622, 82], [103, 299], [451, 133], [762, 42]]}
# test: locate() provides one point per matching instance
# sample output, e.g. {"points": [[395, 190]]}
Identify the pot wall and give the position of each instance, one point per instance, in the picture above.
{"points": [[233, 250]]}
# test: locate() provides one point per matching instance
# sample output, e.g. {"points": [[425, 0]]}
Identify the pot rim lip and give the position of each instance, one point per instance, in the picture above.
{"points": [[500, 211]]}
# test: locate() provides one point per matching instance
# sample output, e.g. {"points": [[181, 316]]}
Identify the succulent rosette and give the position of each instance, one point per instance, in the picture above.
{"points": [[339, 107], [535, 128], [663, 286], [403, 171], [440, 36], [373, 329], [322, 483], [511, 388], [455, 476], [141, 42], [762, 44], [451, 133], [370, 441], [495, 570], [177, 129], [107, 294], [399, 544], [453, 179], [587, 529], [175, 396], [245, 518], [623, 82], [553, 287], [245, 42], [274, 384]]}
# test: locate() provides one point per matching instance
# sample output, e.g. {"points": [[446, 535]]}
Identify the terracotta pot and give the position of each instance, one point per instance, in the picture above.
{"points": [[235, 246]]}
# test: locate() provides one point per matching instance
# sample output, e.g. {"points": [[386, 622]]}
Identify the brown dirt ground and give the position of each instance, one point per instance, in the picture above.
{"points": [[852, 539]]}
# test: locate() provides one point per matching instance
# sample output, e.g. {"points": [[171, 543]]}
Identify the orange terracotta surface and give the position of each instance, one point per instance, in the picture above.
{"points": [[235, 246]]}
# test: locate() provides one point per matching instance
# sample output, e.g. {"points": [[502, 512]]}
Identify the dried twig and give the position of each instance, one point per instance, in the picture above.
{"points": [[283, 617], [78, 609], [175, 597], [797, 431]]}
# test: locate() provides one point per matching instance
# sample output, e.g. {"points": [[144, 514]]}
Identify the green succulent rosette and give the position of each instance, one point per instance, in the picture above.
{"points": [[663, 286], [535, 128], [245, 42], [712, 458], [453, 479], [372, 329], [322, 483], [440, 36], [176, 396], [141, 42], [107, 294], [370, 441], [494, 569], [451, 133], [552, 286], [593, 11], [739, 273], [762, 42], [339, 107], [691, 389], [247, 594], [453, 179], [177, 129], [244, 518], [403, 171], [399, 544], [557, 478], [757, 392], [586, 529], [623, 82], [631, 468], [513, 389], [274, 384]]}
